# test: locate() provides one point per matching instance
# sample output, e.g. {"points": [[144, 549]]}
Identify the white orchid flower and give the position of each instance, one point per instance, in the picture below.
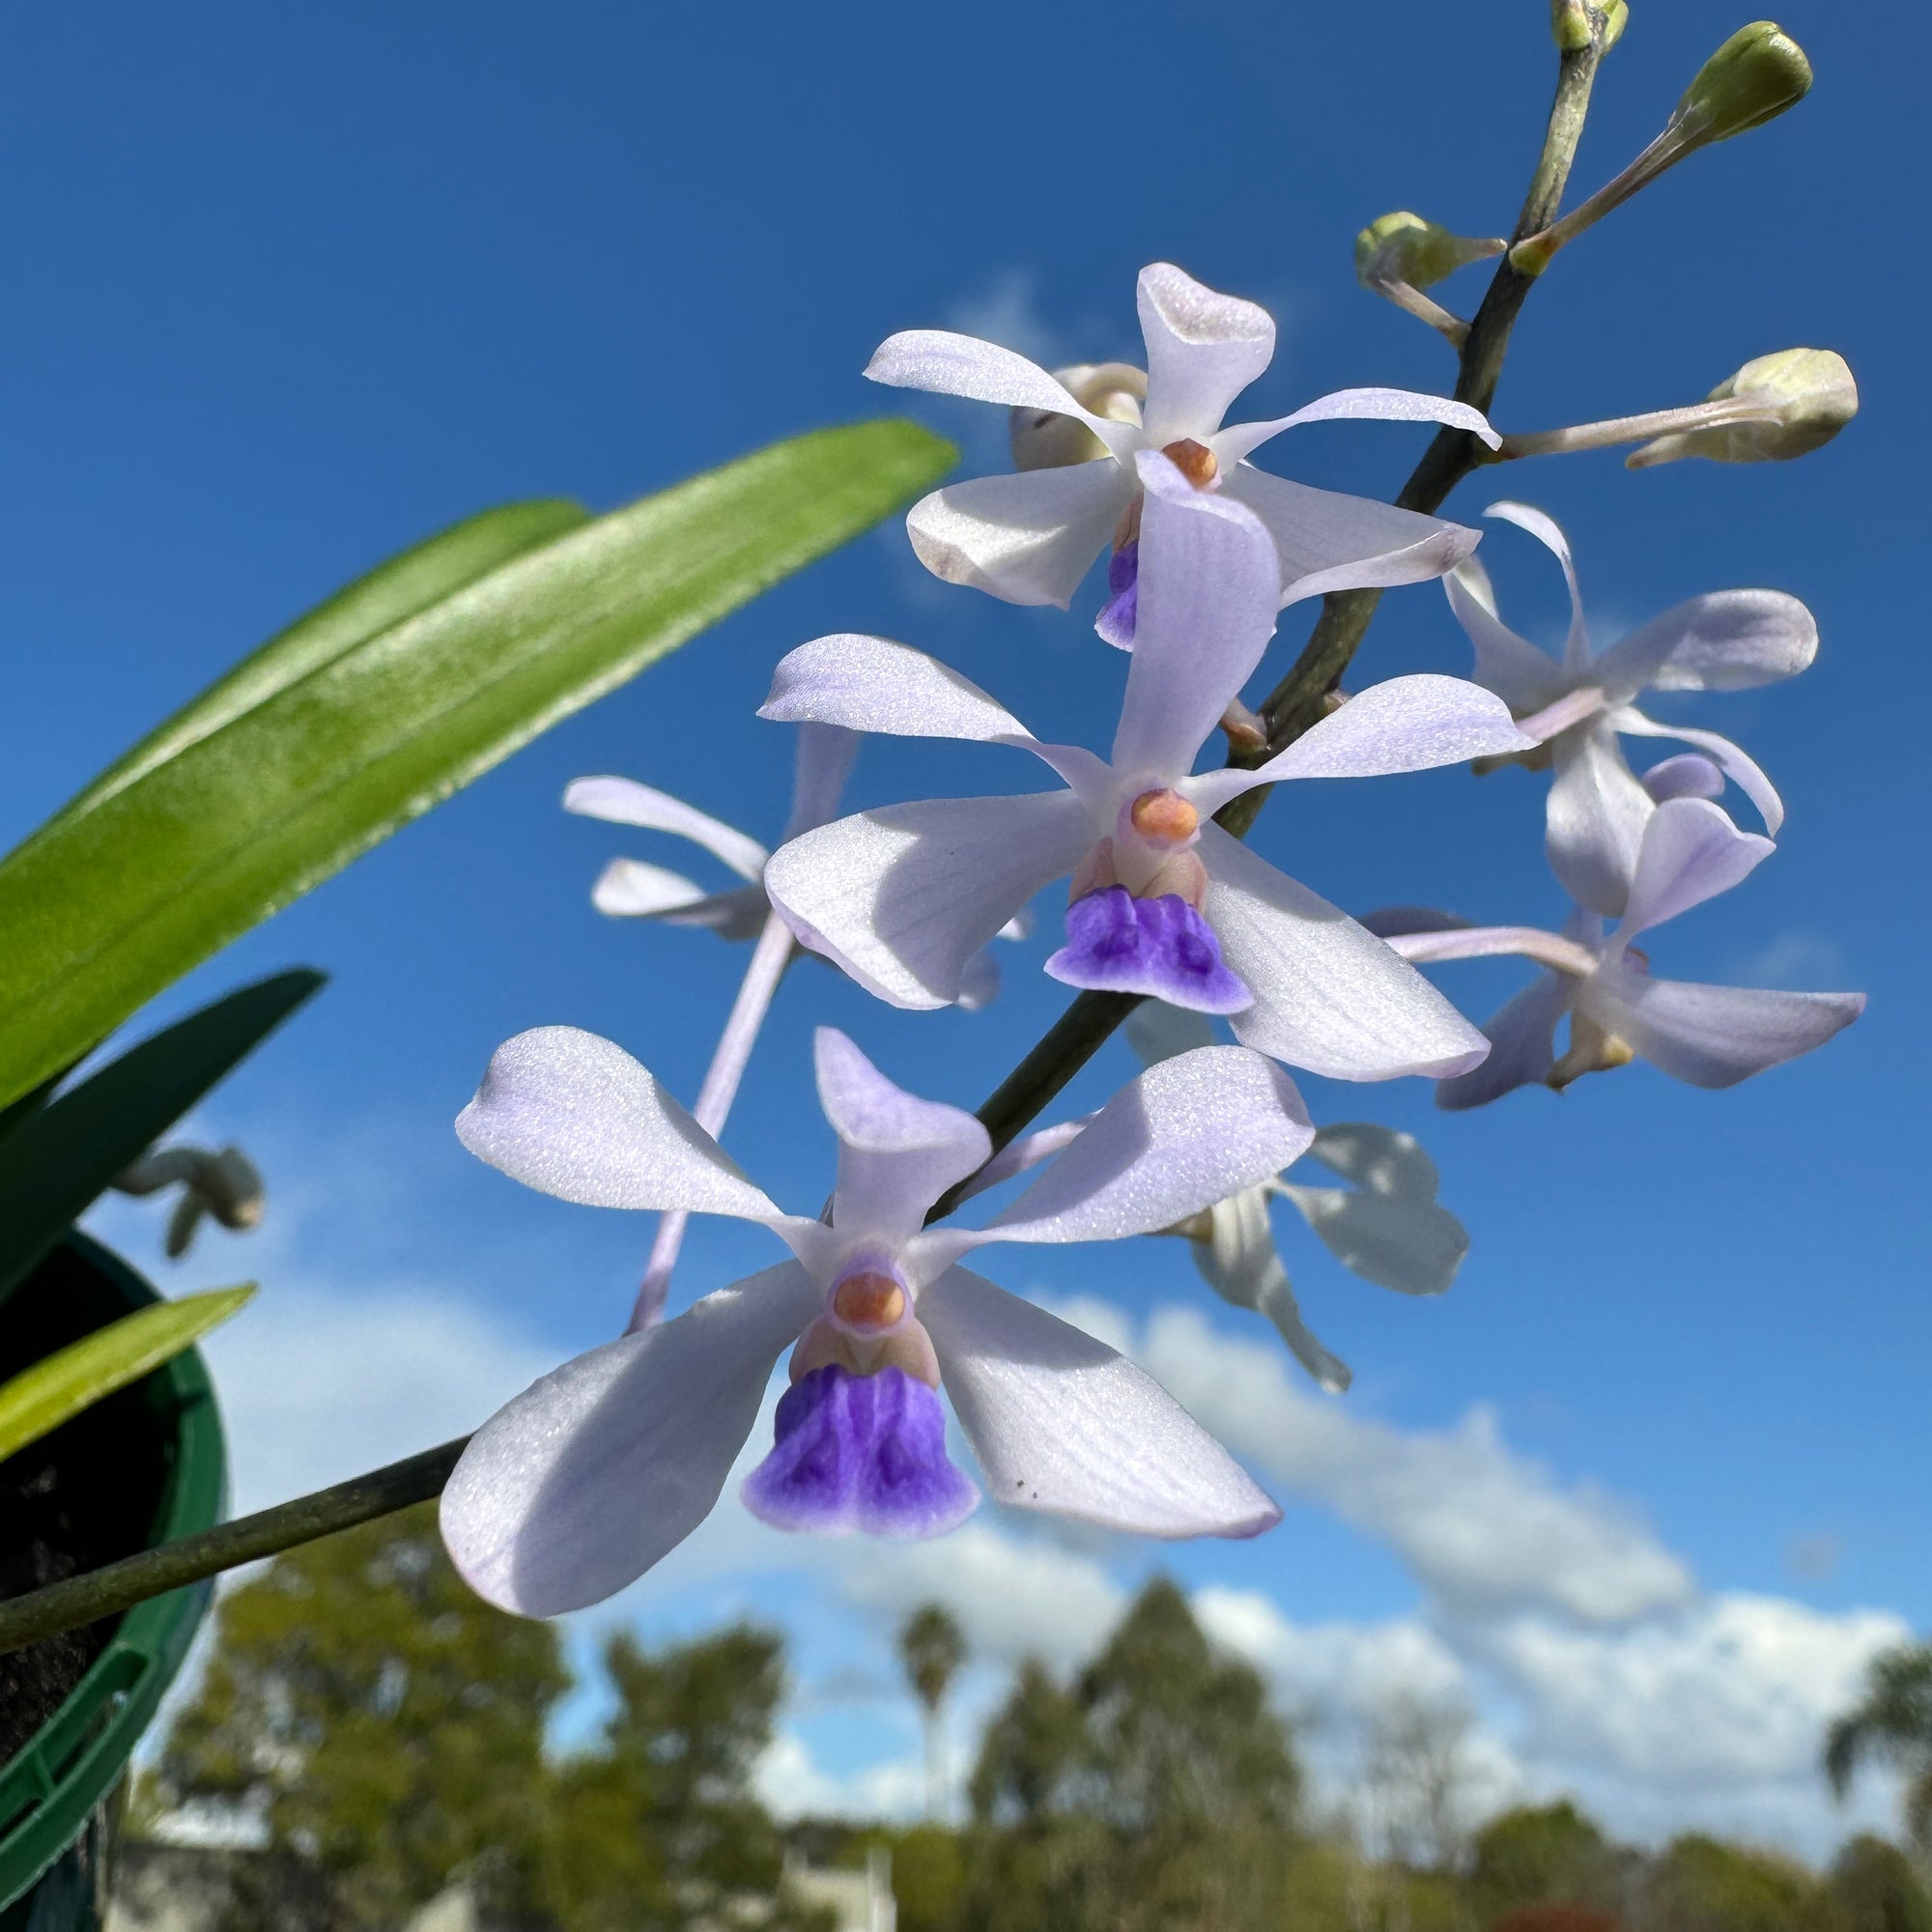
{"points": [[1728, 640], [1164, 901], [597, 1471], [1030, 536], [1387, 1227], [1706, 1035]]}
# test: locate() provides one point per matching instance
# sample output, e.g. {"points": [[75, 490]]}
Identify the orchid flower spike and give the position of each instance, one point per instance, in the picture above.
{"points": [[1728, 640], [1029, 537], [1706, 1035], [1387, 1227], [597, 1471], [1163, 901], [630, 889]]}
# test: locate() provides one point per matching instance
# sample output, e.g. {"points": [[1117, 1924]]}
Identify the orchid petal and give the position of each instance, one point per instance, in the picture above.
{"points": [[1715, 1035], [1522, 1045], [1402, 725], [1241, 1262], [902, 898], [1202, 350], [1576, 644], [1558, 949], [574, 1115], [1028, 1152], [1028, 537], [1059, 1422], [897, 1153], [864, 1453], [1234, 443], [947, 364], [622, 802], [1328, 995], [1326, 540], [1521, 675], [979, 981], [1207, 613], [1159, 947], [1688, 775], [1380, 1160], [1728, 640], [1738, 765], [1690, 853], [825, 754], [1596, 816], [1181, 1136], [1411, 1246], [630, 889], [599, 1469]]}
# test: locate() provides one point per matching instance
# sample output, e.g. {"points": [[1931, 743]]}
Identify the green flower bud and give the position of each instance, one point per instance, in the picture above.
{"points": [[1616, 17], [1815, 398], [1570, 24], [1756, 75], [1403, 247], [1045, 440]]}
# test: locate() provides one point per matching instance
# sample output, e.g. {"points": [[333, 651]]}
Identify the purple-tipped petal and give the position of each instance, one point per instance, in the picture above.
{"points": [[863, 1453], [1122, 610], [1688, 775], [1119, 944]]}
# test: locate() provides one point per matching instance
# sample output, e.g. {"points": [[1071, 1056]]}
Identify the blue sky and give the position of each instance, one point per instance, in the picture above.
{"points": [[290, 292]]}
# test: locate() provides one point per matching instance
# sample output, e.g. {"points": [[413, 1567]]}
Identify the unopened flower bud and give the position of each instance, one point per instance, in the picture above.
{"points": [[1616, 17], [1045, 440], [1570, 24], [1756, 75], [1404, 248], [1811, 391]]}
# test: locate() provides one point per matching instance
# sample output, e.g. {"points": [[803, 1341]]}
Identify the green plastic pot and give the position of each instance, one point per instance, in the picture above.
{"points": [[54, 1795]]}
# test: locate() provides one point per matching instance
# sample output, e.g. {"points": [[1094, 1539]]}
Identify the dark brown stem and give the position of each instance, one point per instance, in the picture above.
{"points": [[118, 1586]]}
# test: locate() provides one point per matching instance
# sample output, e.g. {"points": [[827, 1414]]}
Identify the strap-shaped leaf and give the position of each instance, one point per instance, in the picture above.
{"points": [[229, 812], [38, 1400], [64, 1158]]}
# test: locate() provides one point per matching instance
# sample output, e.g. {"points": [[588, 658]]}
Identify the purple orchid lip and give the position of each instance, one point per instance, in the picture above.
{"points": [[859, 1453], [1122, 610], [1119, 944]]}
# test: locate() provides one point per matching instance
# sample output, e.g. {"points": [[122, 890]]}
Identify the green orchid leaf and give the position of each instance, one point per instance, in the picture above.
{"points": [[38, 1400], [332, 737], [59, 1160]]}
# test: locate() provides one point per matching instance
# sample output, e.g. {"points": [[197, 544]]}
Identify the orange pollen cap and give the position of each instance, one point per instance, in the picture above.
{"points": [[868, 1300], [1194, 460], [1164, 816]]}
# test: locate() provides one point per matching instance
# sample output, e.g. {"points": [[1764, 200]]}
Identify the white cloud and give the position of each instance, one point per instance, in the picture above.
{"points": [[1479, 1525], [792, 1784], [1735, 1690], [1333, 1670]]}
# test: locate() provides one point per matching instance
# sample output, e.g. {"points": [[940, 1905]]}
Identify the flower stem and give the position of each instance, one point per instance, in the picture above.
{"points": [[770, 957], [1716, 414], [118, 1586]]}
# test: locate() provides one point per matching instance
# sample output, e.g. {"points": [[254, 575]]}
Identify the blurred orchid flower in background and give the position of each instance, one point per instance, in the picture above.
{"points": [[1729, 640], [1163, 901], [1706, 1035], [597, 1471], [1387, 1227], [630, 889], [222, 1185], [1030, 536]]}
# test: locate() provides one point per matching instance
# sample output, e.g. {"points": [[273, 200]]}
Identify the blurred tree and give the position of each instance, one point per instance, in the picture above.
{"points": [[1415, 1777], [932, 1647], [385, 1725], [929, 1877], [1543, 1852], [1699, 1883], [1877, 1888], [657, 1829], [1160, 1791], [1892, 1723]]}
